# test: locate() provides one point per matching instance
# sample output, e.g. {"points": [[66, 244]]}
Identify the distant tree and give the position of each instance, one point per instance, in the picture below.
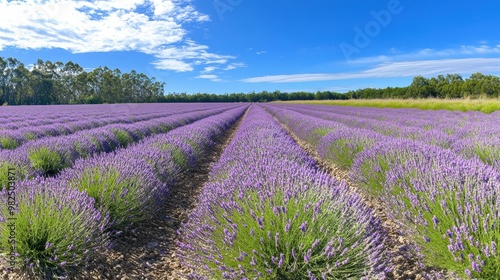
{"points": [[421, 88]]}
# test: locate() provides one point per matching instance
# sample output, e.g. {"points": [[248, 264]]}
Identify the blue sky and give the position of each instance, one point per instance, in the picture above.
{"points": [[253, 45]]}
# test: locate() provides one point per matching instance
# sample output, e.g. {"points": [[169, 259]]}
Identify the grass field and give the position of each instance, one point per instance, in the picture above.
{"points": [[483, 105]]}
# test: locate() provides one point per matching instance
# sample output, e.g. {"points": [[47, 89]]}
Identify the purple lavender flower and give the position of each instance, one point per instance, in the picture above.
{"points": [[303, 227]]}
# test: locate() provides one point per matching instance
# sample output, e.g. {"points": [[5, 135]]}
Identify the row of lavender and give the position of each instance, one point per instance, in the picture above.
{"points": [[470, 134], [48, 156], [407, 117], [20, 113], [52, 116], [268, 213], [20, 117], [449, 204], [437, 134], [60, 222], [13, 134]]}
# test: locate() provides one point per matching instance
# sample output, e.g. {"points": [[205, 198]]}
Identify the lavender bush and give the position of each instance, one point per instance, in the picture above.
{"points": [[123, 136], [428, 136], [57, 229], [341, 146], [484, 147], [370, 167], [8, 143], [47, 160], [126, 188], [162, 162]]}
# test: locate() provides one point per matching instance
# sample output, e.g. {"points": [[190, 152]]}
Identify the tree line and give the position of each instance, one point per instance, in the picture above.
{"points": [[59, 83], [449, 86]]}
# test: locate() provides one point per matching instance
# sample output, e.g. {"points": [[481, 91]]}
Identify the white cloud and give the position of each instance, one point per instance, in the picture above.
{"points": [[482, 49], [162, 8], [209, 69], [394, 69], [342, 89], [234, 66], [428, 53], [153, 27], [182, 58], [213, 78], [172, 64]]}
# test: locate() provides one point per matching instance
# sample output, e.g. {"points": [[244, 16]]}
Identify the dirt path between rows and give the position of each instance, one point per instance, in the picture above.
{"points": [[406, 263]]}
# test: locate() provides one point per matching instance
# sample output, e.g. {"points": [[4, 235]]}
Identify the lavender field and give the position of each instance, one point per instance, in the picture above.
{"points": [[248, 191]]}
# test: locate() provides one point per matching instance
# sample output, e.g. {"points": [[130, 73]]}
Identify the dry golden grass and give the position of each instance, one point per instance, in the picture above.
{"points": [[483, 105]]}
